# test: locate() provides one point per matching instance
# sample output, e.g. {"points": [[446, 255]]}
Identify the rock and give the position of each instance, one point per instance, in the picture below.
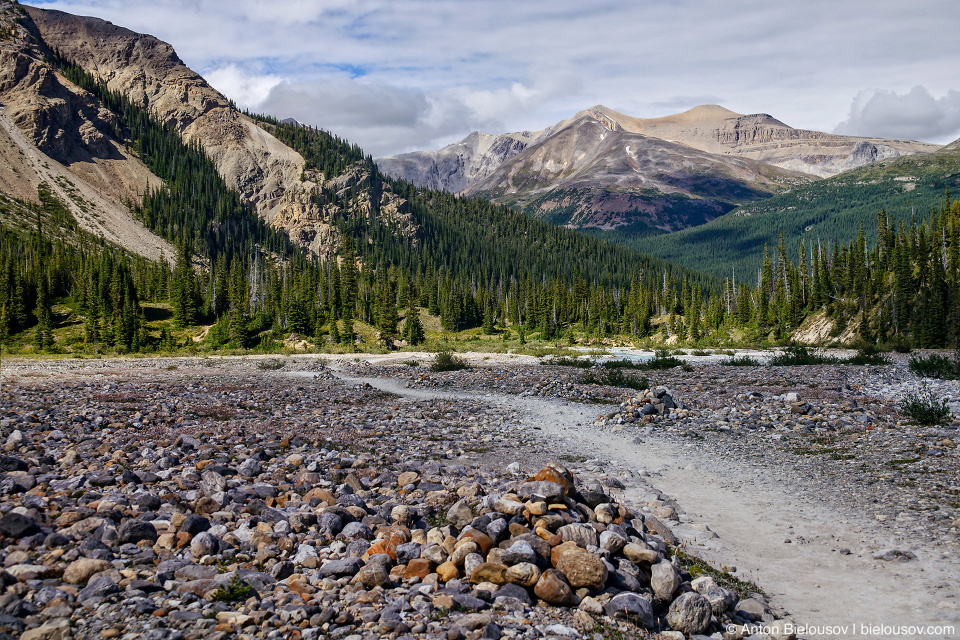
{"points": [[524, 574], [133, 531], [581, 568], [690, 613], [582, 534], [294, 460], [640, 554], [54, 630], [17, 525], [612, 541], [459, 515], [664, 580], [305, 552], [194, 524], [509, 507], [552, 588], [80, 571], [419, 567], [407, 477], [489, 572], [204, 544], [98, 587], [540, 490], [751, 609], [720, 599], [250, 468], [329, 523], [373, 575], [519, 551], [630, 606], [337, 568], [448, 571]]}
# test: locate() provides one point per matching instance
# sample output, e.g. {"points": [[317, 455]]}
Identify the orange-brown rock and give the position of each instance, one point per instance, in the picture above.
{"points": [[419, 568]]}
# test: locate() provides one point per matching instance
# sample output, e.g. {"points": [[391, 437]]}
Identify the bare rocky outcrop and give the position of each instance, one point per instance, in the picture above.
{"points": [[64, 121], [488, 165]]}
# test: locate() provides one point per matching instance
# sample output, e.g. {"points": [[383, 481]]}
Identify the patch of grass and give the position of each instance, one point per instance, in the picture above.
{"points": [[568, 362], [623, 363], [662, 360], [741, 361], [272, 364], [698, 567], [235, 590], [868, 355], [446, 361], [936, 365], [614, 378], [411, 363], [607, 632], [924, 408], [573, 458], [801, 355]]}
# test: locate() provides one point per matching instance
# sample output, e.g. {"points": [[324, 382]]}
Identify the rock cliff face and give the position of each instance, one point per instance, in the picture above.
{"points": [[592, 173], [709, 128], [607, 170], [69, 125], [713, 129], [55, 133], [458, 166]]}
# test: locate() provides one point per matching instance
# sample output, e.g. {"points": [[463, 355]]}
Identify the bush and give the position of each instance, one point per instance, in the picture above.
{"points": [[662, 360], [235, 590], [868, 354], [614, 378], [568, 362], [900, 344], [799, 355], [623, 363], [924, 408], [741, 361], [446, 361], [936, 366], [272, 364]]}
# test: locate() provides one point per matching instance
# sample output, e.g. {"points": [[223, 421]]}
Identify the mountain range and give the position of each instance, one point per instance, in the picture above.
{"points": [[605, 170]]}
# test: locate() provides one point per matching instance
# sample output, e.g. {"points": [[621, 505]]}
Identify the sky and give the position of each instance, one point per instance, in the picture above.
{"points": [[404, 75]]}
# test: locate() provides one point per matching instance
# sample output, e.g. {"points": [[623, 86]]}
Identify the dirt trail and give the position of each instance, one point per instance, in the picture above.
{"points": [[753, 515]]}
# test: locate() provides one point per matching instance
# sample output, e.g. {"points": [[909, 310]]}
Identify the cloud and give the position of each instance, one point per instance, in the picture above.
{"points": [[915, 115], [428, 72], [248, 90]]}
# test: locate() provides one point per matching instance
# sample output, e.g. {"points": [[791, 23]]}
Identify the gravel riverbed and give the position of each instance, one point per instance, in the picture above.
{"points": [[326, 497]]}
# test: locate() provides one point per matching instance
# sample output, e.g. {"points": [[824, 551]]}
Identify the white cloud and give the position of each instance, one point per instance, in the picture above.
{"points": [[915, 115], [248, 90], [432, 70]]}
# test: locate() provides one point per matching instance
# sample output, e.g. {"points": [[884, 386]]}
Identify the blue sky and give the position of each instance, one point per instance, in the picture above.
{"points": [[399, 75]]}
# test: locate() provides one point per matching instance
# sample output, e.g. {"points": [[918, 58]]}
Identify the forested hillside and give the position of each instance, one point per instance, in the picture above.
{"points": [[825, 211], [471, 263]]}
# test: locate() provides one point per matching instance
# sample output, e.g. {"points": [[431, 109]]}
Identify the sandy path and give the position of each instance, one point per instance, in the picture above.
{"points": [[753, 516]]}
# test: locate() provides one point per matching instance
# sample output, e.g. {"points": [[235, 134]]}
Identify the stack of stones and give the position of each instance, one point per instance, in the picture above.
{"points": [[646, 407]]}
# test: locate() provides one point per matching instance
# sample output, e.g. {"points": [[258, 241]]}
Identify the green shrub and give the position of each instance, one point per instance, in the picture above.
{"points": [[614, 378], [868, 354], [623, 363], [446, 361], [235, 590], [564, 361], [800, 355], [271, 365], [662, 360], [924, 408], [935, 366], [741, 361], [900, 344]]}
